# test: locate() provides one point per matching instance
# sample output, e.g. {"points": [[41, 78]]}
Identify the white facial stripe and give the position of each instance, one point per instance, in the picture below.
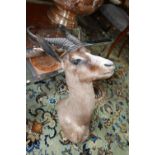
{"points": [[78, 57], [99, 60]]}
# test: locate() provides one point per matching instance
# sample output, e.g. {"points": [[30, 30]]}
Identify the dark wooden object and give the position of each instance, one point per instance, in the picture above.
{"points": [[117, 41], [36, 14]]}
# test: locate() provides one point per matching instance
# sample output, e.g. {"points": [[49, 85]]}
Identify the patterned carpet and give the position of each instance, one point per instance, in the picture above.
{"points": [[109, 127]]}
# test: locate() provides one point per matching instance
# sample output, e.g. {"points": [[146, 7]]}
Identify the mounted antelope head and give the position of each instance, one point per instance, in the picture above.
{"points": [[81, 68]]}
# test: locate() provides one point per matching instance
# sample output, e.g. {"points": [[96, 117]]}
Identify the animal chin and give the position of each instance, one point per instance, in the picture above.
{"points": [[107, 75], [102, 76]]}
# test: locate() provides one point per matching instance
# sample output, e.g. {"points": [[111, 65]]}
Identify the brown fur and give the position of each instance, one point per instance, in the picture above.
{"points": [[93, 68]]}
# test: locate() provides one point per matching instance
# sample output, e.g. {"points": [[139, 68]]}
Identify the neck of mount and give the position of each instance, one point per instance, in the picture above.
{"points": [[80, 92]]}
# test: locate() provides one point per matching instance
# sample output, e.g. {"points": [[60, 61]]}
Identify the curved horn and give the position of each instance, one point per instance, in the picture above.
{"points": [[30, 33], [69, 36], [61, 42], [72, 38]]}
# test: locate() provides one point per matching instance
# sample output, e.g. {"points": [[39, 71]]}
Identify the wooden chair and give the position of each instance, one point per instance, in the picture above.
{"points": [[120, 20]]}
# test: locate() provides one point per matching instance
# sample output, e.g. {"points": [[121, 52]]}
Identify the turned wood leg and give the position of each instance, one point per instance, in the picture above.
{"points": [[123, 45], [116, 41]]}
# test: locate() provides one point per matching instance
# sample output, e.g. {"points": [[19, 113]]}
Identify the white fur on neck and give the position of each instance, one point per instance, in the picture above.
{"points": [[82, 92]]}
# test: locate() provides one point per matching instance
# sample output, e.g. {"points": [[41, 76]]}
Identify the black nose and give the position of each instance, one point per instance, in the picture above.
{"points": [[108, 65]]}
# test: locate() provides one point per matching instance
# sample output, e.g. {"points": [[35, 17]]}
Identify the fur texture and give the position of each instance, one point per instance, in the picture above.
{"points": [[81, 68], [75, 111]]}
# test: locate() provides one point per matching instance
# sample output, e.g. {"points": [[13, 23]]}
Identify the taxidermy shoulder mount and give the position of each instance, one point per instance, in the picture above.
{"points": [[81, 68]]}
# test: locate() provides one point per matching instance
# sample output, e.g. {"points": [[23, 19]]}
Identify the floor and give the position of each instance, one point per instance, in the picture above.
{"points": [[109, 126]]}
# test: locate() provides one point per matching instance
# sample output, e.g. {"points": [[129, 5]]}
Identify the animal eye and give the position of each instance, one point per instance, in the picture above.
{"points": [[76, 61]]}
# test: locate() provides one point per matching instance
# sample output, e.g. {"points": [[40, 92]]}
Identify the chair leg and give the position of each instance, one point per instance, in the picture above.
{"points": [[116, 41], [123, 45]]}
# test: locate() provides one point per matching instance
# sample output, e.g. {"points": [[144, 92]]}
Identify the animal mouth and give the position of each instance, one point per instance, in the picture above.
{"points": [[107, 73]]}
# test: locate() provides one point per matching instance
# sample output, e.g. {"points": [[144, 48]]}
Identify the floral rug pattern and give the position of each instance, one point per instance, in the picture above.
{"points": [[109, 126]]}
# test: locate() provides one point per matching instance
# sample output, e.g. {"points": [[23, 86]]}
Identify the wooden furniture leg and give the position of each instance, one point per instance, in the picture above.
{"points": [[117, 40], [123, 45]]}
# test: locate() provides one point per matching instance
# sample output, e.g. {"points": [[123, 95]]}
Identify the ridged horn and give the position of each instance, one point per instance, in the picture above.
{"points": [[61, 42], [72, 38], [69, 36]]}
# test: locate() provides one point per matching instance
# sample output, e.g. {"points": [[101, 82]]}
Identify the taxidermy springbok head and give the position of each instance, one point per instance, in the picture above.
{"points": [[81, 68]]}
